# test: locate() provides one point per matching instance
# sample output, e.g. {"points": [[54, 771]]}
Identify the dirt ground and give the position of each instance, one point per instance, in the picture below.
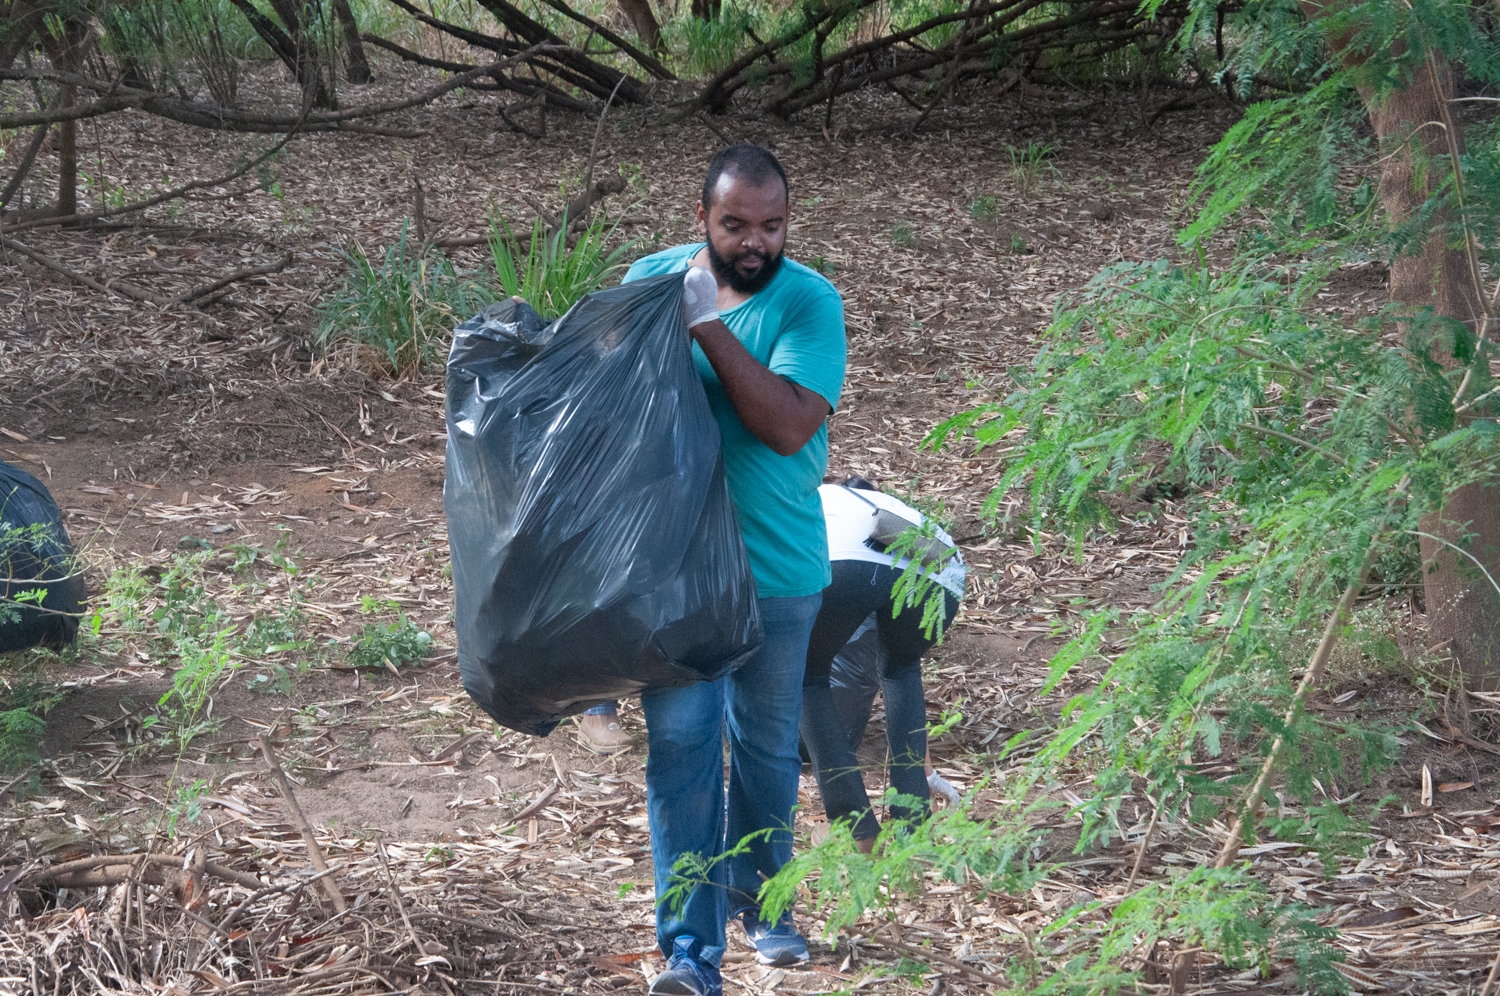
{"points": [[165, 430]]}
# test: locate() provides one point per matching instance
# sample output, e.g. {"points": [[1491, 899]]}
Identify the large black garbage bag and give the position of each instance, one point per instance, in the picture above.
{"points": [[35, 553], [595, 551]]}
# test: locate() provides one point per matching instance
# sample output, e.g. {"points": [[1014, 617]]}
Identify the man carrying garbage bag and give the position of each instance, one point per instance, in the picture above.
{"points": [[769, 344]]}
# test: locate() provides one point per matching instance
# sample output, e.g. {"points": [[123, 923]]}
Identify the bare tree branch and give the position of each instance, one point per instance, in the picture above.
{"points": [[650, 63], [28, 159], [227, 119]]}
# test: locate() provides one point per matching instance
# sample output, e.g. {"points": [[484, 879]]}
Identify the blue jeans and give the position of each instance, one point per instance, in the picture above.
{"points": [[761, 704]]}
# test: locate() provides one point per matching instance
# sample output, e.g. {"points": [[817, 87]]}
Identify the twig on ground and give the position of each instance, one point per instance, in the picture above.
{"points": [[271, 890], [314, 852], [25, 773], [207, 291], [1145, 843], [1249, 806], [931, 956], [411, 932], [114, 287]]}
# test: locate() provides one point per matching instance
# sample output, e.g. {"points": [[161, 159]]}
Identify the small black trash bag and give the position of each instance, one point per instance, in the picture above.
{"points": [[35, 553], [595, 551]]}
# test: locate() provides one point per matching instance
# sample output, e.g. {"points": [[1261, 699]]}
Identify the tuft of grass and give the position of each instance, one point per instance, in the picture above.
{"points": [[1027, 165], [709, 46], [903, 235], [401, 306], [548, 273]]}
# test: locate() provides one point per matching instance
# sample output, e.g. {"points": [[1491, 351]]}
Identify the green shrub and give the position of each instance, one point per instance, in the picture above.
{"points": [[552, 275], [401, 307], [709, 47]]}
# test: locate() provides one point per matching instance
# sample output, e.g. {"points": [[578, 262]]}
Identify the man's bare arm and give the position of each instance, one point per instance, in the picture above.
{"points": [[779, 413]]}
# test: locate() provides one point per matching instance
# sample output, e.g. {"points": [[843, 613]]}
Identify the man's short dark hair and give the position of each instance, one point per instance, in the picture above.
{"points": [[746, 162]]}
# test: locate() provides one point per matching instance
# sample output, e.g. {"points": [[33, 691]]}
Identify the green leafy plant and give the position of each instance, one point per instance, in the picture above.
{"points": [[927, 556], [184, 621], [24, 704], [186, 805], [903, 235], [396, 642], [551, 272], [1303, 447], [402, 306], [984, 208]]}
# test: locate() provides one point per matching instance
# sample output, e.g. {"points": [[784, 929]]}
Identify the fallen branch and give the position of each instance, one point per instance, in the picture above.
{"points": [[116, 869], [207, 291], [28, 158], [114, 287], [314, 852], [25, 773], [227, 119], [164, 196], [648, 62]]}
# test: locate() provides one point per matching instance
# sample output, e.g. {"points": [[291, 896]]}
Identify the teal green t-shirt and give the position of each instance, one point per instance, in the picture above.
{"points": [[795, 326]]}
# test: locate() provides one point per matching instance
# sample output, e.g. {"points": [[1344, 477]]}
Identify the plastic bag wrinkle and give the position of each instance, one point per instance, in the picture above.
{"points": [[595, 551]]}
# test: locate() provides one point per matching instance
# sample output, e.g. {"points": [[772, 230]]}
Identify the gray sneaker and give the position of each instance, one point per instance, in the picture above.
{"points": [[779, 944]]}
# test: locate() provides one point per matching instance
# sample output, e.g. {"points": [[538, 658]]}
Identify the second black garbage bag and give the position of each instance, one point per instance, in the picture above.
{"points": [[595, 551]]}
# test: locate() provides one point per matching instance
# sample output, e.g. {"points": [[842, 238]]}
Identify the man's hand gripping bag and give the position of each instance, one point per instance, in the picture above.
{"points": [[595, 551]]}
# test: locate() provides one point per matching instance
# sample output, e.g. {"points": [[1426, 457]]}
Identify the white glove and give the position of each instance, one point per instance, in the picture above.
{"points": [[939, 785], [700, 296]]}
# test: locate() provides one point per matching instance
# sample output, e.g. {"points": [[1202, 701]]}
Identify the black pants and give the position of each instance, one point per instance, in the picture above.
{"points": [[858, 589]]}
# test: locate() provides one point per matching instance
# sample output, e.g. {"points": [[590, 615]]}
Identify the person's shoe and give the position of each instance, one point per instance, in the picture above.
{"points": [[688, 976], [602, 734], [778, 944]]}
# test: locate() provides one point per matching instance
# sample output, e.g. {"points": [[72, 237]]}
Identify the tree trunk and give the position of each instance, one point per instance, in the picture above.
{"points": [[1463, 606], [644, 22], [67, 156], [65, 51], [17, 25], [294, 49], [1463, 609], [358, 68]]}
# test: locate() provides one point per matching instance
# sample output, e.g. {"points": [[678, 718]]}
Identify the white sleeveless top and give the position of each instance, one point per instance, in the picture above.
{"points": [[849, 515]]}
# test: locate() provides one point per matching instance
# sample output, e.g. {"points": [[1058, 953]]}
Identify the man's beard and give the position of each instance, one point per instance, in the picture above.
{"points": [[724, 269]]}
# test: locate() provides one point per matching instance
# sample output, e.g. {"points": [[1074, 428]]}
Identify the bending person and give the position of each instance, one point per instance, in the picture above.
{"points": [[855, 680], [863, 576]]}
